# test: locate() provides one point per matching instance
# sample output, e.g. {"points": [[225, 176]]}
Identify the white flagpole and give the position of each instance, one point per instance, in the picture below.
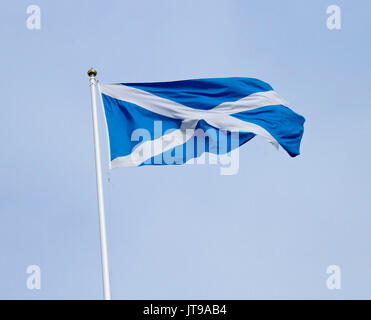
{"points": [[102, 223]]}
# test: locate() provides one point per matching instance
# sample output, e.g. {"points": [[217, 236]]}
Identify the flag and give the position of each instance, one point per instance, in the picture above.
{"points": [[179, 121]]}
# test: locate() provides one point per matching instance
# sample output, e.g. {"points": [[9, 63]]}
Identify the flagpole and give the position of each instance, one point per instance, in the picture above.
{"points": [[102, 223]]}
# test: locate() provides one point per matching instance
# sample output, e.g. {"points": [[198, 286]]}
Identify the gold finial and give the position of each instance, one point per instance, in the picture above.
{"points": [[92, 72]]}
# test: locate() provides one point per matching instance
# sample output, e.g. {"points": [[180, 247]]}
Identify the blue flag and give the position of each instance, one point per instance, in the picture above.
{"points": [[176, 122]]}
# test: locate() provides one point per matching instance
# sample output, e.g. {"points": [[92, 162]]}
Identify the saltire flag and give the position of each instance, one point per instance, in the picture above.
{"points": [[164, 122]]}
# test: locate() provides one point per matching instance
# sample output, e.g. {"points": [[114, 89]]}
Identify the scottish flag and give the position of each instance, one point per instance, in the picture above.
{"points": [[180, 121]]}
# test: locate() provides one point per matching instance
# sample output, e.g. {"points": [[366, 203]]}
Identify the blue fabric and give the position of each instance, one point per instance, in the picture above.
{"points": [[194, 149], [123, 118], [283, 124]]}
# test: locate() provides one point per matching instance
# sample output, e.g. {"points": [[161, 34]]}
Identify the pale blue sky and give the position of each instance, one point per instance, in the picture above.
{"points": [[185, 232]]}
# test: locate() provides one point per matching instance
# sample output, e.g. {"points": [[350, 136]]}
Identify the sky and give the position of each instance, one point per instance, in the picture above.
{"points": [[185, 232]]}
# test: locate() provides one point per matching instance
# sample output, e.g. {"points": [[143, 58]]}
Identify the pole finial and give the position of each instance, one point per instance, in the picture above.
{"points": [[92, 72]]}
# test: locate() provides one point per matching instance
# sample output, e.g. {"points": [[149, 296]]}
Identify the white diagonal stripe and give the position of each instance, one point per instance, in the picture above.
{"points": [[150, 101], [237, 125], [218, 117], [176, 110], [151, 148], [253, 101]]}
